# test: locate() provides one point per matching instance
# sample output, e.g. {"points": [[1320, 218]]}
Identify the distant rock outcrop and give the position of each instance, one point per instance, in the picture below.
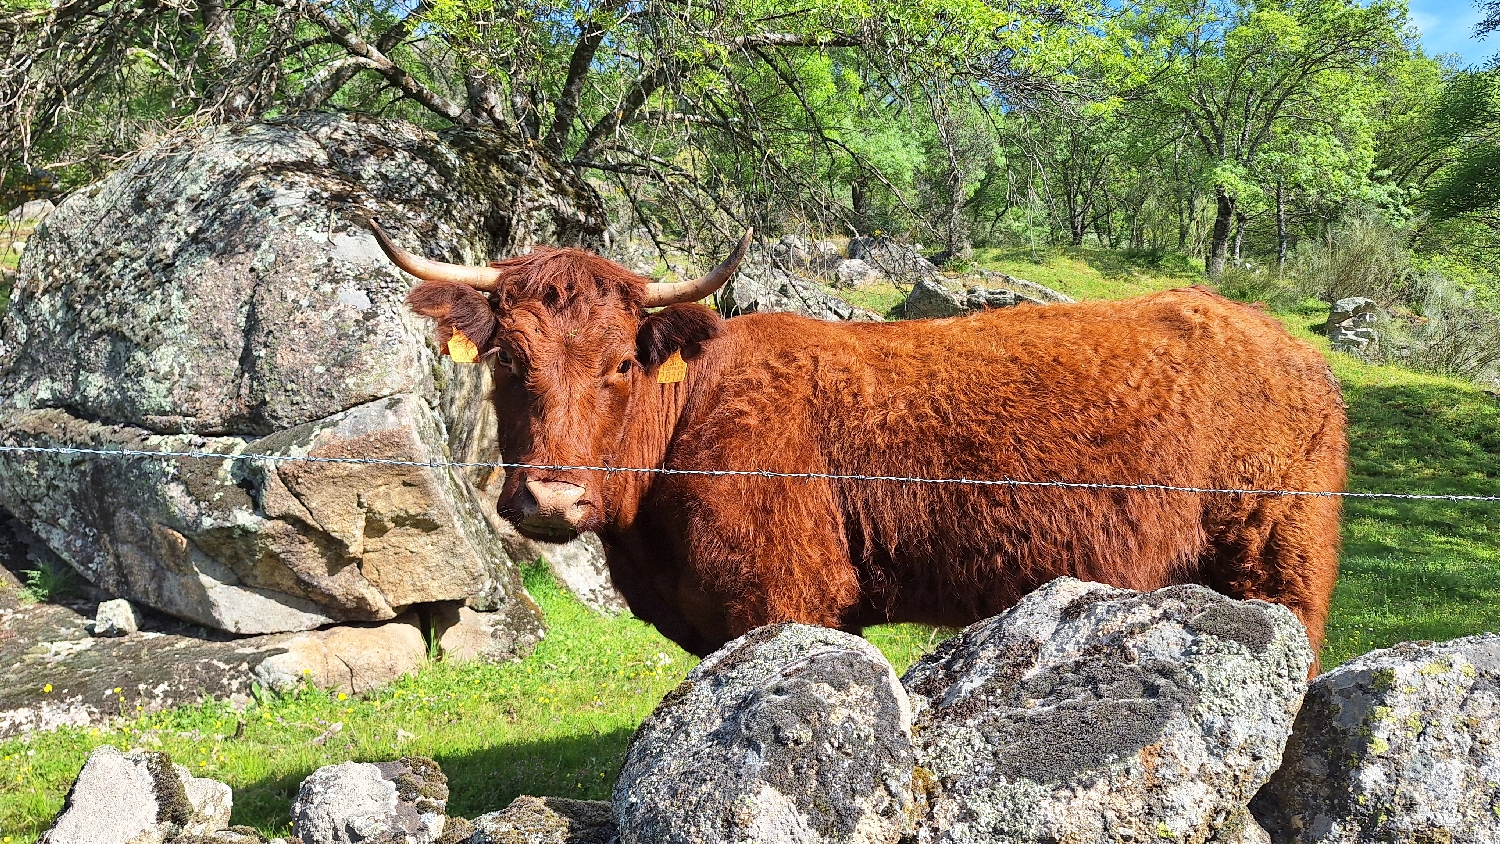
{"points": [[761, 287], [929, 298], [1353, 324], [935, 296]]}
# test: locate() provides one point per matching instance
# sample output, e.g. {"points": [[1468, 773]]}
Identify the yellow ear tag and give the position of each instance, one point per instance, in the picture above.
{"points": [[672, 370], [462, 349]]}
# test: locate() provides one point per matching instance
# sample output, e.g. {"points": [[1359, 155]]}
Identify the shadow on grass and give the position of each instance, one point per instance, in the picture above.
{"points": [[581, 768], [479, 781], [1430, 437]]}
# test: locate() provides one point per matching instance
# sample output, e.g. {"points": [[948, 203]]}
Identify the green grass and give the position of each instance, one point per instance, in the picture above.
{"points": [[882, 297], [555, 724], [1416, 569], [558, 723], [1094, 273]]}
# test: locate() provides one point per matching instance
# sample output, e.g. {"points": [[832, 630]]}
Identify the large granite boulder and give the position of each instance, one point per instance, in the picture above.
{"points": [[1093, 714], [788, 734], [138, 797], [1400, 744], [221, 294]]}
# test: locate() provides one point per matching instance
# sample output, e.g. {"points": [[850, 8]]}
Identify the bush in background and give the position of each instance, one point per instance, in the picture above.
{"points": [[1364, 255], [1256, 287], [1456, 334]]}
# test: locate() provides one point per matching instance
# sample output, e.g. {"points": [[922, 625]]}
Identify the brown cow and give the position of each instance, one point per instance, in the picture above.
{"points": [[1181, 388]]}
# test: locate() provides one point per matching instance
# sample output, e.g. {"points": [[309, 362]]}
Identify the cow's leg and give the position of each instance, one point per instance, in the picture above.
{"points": [[1285, 550], [1304, 551], [773, 550]]}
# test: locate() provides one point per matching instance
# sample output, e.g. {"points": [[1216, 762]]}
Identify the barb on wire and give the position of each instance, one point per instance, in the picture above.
{"points": [[459, 464]]}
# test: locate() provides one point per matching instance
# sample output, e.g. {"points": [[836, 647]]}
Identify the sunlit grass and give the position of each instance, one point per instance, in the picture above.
{"points": [[1093, 273], [882, 297], [555, 724]]}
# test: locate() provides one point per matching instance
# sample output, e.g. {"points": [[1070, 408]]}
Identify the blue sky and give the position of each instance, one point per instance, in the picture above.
{"points": [[1447, 26]]}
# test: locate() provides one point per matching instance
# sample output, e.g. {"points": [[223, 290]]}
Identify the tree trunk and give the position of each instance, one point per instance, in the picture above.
{"points": [[1218, 250], [1239, 237], [1281, 235], [859, 201], [1187, 212]]}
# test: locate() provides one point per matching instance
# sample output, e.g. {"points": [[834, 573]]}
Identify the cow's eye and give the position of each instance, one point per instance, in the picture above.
{"points": [[504, 357], [624, 366]]}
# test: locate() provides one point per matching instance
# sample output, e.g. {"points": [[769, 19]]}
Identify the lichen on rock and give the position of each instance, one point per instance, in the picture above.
{"points": [[788, 734], [546, 820], [138, 797], [1087, 713], [1401, 744]]}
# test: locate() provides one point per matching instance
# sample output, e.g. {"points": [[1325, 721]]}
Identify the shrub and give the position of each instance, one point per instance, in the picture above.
{"points": [[1456, 334], [1252, 286], [1365, 255]]}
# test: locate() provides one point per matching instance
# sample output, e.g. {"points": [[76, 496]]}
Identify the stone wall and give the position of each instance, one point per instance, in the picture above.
{"points": [[1086, 714]]}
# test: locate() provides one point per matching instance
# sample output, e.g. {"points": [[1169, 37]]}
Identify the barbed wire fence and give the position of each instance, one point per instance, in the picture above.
{"points": [[458, 464]]}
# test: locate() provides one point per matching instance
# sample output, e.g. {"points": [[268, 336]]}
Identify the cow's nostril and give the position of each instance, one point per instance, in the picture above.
{"points": [[554, 498], [552, 510]]}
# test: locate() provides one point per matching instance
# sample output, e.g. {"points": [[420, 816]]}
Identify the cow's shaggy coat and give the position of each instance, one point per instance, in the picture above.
{"points": [[1182, 388]]}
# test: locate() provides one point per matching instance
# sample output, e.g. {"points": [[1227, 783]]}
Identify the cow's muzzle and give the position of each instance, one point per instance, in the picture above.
{"points": [[550, 510]]}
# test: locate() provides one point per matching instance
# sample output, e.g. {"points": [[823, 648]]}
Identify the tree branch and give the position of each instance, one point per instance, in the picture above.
{"points": [[393, 73], [590, 35]]}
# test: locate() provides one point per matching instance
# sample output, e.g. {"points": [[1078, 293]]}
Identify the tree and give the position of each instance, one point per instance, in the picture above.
{"points": [[699, 112], [1465, 129], [1234, 74]]}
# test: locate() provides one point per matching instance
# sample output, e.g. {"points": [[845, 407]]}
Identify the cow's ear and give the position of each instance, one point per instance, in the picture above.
{"points": [[679, 328], [456, 307]]}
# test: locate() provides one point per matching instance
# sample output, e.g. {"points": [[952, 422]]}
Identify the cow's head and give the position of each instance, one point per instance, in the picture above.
{"points": [[569, 339]]}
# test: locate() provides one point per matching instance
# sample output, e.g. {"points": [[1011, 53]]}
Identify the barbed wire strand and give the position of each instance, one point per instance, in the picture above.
{"points": [[459, 464]]}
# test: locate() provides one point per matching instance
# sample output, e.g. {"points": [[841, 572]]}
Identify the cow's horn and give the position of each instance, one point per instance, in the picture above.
{"points": [[481, 278], [661, 294]]}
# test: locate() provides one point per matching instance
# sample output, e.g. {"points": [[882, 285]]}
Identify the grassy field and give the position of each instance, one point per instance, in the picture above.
{"points": [[558, 723], [554, 724]]}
